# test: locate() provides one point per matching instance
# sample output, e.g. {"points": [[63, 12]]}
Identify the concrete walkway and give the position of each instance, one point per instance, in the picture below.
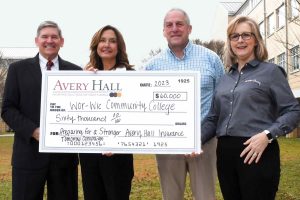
{"points": [[7, 135]]}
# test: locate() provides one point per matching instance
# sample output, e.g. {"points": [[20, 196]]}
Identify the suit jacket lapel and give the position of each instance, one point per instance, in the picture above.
{"points": [[61, 63]]}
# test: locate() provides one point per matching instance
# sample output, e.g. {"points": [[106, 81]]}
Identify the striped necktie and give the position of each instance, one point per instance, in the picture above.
{"points": [[49, 64]]}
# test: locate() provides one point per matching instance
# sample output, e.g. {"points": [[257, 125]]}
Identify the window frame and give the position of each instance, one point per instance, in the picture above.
{"points": [[294, 52], [281, 60], [272, 60], [280, 16], [294, 8], [271, 18]]}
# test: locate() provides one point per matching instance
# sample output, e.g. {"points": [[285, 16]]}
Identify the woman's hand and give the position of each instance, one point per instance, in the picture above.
{"points": [[107, 154], [255, 148], [92, 69]]}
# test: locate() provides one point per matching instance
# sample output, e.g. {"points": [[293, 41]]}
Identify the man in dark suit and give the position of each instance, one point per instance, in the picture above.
{"points": [[21, 111]]}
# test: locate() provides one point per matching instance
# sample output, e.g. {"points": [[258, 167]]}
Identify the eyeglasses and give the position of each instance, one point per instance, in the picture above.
{"points": [[236, 36]]}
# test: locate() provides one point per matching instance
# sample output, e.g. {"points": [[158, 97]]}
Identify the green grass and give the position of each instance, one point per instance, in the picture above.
{"points": [[5, 167], [146, 186], [289, 188]]}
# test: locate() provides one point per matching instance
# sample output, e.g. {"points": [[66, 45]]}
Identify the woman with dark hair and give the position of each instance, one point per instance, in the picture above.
{"points": [[253, 105], [108, 50], [107, 176]]}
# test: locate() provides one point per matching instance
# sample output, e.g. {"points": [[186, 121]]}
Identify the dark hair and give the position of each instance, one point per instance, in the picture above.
{"points": [[121, 58], [260, 50]]}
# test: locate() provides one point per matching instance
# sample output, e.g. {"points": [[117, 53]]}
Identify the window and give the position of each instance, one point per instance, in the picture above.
{"points": [[254, 3], [281, 60], [280, 15], [272, 60], [271, 24], [295, 58], [294, 8], [262, 29], [248, 7]]}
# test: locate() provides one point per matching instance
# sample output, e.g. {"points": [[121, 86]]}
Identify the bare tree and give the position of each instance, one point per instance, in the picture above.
{"points": [[3, 73], [215, 45], [281, 37], [151, 55]]}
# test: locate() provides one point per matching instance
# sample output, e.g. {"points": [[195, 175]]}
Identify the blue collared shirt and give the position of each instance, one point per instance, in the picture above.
{"points": [[195, 58]]}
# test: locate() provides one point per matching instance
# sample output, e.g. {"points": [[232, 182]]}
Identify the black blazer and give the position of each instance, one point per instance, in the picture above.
{"points": [[21, 111]]}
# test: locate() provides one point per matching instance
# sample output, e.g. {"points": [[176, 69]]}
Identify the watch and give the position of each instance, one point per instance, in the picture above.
{"points": [[269, 135]]}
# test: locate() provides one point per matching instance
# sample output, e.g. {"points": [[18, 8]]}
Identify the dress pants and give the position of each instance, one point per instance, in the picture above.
{"points": [[202, 170], [62, 183], [241, 181], [106, 177]]}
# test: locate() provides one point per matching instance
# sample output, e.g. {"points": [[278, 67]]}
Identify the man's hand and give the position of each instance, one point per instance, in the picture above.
{"points": [[36, 134], [193, 154]]}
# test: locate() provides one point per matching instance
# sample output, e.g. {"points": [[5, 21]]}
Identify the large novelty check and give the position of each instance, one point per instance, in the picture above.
{"points": [[120, 112]]}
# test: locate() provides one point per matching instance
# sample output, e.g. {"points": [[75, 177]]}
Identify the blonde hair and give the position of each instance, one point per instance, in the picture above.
{"points": [[260, 50]]}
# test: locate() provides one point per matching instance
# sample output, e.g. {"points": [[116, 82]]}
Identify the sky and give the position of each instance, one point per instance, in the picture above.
{"points": [[140, 22]]}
